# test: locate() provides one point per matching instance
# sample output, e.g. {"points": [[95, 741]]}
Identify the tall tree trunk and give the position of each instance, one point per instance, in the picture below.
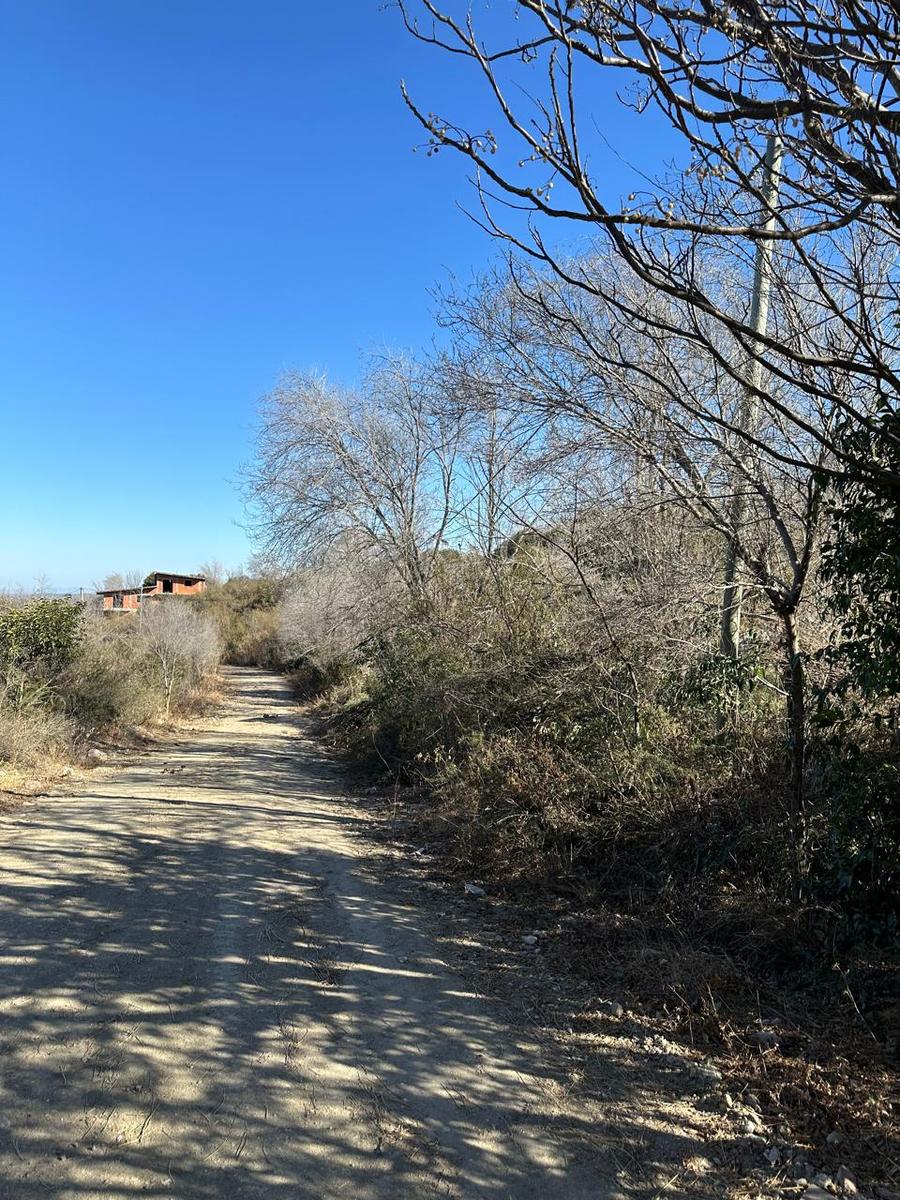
{"points": [[748, 417]]}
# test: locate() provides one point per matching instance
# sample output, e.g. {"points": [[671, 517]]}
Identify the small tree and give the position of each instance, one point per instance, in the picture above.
{"points": [[181, 644], [332, 608], [121, 580]]}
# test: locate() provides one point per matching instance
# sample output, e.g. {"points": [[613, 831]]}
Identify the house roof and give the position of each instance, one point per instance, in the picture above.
{"points": [[174, 575]]}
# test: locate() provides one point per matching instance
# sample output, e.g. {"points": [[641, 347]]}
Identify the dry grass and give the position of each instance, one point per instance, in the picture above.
{"points": [[35, 736], [723, 971]]}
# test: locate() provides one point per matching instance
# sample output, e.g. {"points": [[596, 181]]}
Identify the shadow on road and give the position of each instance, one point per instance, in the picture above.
{"points": [[205, 991]]}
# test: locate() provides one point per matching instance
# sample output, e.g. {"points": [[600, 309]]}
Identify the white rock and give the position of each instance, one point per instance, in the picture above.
{"points": [[472, 889], [846, 1182], [529, 939]]}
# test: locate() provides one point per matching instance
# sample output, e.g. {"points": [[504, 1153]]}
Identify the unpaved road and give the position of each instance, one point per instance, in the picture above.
{"points": [[207, 991]]}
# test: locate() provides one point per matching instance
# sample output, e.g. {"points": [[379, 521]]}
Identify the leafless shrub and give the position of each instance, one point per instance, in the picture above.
{"points": [[181, 645], [32, 737], [330, 610]]}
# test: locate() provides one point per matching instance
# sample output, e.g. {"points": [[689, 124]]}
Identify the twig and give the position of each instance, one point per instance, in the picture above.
{"points": [[865, 1023]]}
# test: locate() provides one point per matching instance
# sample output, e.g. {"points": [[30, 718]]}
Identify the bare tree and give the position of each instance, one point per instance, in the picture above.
{"points": [[122, 580], [213, 571], [606, 388], [821, 77], [372, 468]]}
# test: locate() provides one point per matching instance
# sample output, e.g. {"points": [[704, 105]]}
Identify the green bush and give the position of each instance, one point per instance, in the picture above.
{"points": [[42, 633], [855, 835], [245, 612]]}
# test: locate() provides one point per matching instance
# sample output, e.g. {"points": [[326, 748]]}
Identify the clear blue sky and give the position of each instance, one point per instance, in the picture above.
{"points": [[195, 196]]}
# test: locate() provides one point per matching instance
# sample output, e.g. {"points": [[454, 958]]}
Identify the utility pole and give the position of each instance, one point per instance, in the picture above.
{"points": [[141, 601], [748, 415]]}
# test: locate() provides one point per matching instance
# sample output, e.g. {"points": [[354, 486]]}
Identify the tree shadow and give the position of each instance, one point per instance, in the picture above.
{"points": [[208, 991]]}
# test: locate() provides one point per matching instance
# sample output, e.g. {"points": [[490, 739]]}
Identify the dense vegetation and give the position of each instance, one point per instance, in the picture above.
{"points": [[609, 580], [557, 678], [614, 572], [71, 677], [244, 610], [517, 624]]}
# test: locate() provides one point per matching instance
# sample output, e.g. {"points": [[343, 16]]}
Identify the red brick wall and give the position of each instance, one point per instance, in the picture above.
{"points": [[192, 589], [131, 600], [178, 588], [129, 603]]}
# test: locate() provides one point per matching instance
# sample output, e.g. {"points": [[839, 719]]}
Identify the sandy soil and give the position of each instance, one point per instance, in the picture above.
{"points": [[208, 989]]}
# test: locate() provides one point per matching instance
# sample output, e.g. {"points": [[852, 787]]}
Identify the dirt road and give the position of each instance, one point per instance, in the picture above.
{"points": [[206, 991]]}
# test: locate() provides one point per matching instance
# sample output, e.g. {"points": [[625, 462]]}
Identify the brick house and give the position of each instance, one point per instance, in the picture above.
{"points": [[155, 586]]}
